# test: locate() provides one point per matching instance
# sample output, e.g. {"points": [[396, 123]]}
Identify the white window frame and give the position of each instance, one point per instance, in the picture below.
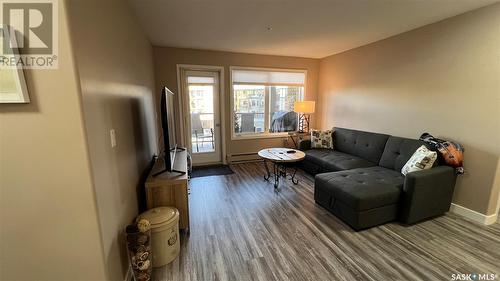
{"points": [[266, 135]]}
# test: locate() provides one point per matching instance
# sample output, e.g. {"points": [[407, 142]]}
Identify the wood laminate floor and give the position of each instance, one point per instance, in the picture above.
{"points": [[242, 230]]}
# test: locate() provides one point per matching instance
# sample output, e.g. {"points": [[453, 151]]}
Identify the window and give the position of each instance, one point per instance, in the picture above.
{"points": [[262, 101]]}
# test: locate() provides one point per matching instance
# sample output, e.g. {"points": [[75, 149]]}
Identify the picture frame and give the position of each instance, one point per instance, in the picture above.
{"points": [[13, 87]]}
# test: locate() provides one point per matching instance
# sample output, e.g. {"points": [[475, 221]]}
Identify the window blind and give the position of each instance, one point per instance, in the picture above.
{"points": [[245, 76], [200, 80]]}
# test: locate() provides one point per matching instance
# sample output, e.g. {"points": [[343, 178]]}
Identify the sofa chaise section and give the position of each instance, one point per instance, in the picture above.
{"points": [[362, 197], [372, 191]]}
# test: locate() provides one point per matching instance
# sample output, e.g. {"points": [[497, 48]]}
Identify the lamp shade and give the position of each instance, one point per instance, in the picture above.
{"points": [[306, 107]]}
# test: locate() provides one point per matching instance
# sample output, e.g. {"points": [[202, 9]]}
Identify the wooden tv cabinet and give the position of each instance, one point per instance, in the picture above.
{"points": [[170, 189]]}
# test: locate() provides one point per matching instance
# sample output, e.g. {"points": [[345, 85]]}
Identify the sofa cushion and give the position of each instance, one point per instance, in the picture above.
{"points": [[363, 188], [321, 139], [330, 160], [398, 151], [422, 159], [366, 145]]}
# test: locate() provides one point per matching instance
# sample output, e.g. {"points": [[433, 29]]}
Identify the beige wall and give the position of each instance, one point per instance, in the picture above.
{"points": [[166, 60], [49, 227], [115, 64], [442, 78]]}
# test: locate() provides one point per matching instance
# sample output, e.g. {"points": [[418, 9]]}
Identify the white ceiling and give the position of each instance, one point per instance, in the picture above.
{"points": [[303, 28]]}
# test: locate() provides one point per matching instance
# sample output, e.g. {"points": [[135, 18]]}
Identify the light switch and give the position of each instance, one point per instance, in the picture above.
{"points": [[113, 137]]}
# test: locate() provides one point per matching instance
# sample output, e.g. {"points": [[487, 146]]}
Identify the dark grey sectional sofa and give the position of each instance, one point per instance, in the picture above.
{"points": [[360, 181]]}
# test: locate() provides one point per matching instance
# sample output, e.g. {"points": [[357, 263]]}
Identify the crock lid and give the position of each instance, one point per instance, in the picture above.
{"points": [[159, 216]]}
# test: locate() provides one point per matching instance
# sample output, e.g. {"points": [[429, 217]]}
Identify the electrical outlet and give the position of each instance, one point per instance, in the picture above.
{"points": [[113, 137]]}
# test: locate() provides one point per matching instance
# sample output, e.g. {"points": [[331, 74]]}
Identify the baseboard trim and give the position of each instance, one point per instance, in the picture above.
{"points": [[128, 275], [473, 215]]}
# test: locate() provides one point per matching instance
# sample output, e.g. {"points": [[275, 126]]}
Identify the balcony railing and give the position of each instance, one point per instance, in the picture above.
{"points": [[252, 122]]}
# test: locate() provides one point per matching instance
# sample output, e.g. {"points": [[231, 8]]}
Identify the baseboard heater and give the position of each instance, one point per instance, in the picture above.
{"points": [[243, 157]]}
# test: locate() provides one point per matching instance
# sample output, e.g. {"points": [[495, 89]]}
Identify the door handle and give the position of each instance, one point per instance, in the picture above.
{"points": [[217, 125]]}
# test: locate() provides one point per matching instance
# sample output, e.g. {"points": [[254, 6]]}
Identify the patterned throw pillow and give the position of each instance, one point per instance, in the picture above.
{"points": [[321, 139], [422, 159]]}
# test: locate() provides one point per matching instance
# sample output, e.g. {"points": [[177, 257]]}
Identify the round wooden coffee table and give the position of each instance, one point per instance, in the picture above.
{"points": [[282, 158]]}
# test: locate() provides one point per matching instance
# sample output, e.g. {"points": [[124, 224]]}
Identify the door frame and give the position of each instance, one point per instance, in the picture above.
{"points": [[222, 109], [203, 157]]}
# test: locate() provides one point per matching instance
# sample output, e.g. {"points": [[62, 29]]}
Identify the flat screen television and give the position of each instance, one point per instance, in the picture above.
{"points": [[168, 131]]}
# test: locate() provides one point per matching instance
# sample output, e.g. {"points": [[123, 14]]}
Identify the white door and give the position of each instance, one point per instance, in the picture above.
{"points": [[201, 96]]}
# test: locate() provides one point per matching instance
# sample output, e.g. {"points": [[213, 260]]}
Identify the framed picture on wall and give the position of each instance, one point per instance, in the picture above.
{"points": [[12, 82]]}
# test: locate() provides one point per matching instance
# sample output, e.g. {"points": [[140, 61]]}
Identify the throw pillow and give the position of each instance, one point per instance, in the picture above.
{"points": [[321, 139], [422, 159]]}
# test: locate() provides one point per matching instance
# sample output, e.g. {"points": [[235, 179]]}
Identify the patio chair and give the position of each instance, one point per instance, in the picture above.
{"points": [[200, 133]]}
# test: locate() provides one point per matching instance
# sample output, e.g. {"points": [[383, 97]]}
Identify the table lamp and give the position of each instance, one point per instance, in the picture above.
{"points": [[304, 109]]}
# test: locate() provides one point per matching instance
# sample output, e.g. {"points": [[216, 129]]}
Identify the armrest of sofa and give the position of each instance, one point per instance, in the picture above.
{"points": [[427, 193], [304, 145]]}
